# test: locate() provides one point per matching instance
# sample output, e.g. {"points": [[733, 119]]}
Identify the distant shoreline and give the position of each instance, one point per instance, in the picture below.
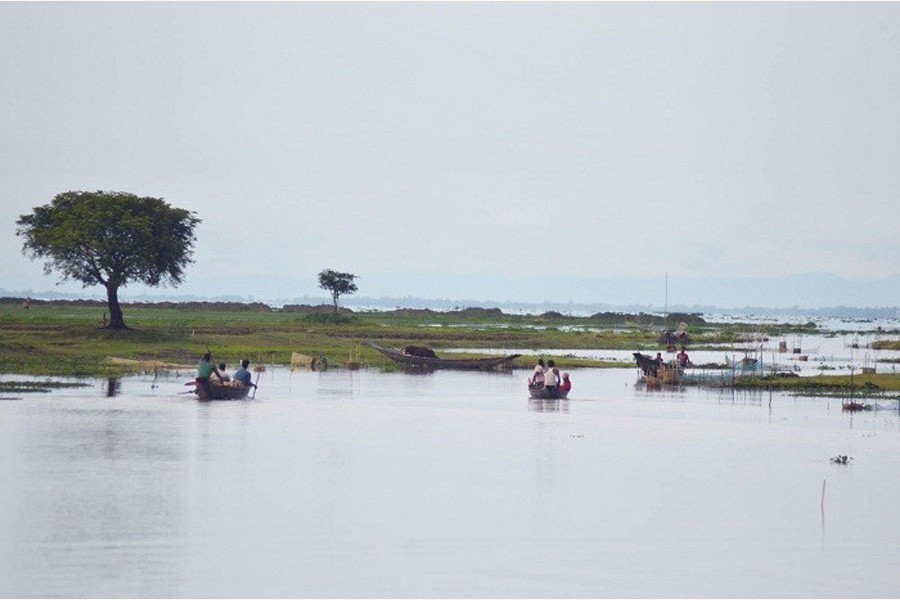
{"points": [[363, 304]]}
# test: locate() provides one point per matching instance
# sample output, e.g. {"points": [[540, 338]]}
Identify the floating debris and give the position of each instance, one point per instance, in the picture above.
{"points": [[841, 459]]}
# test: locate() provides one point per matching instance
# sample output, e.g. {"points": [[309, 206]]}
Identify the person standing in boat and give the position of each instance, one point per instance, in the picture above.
{"points": [[551, 376], [205, 369], [657, 363], [682, 357], [243, 375], [537, 378]]}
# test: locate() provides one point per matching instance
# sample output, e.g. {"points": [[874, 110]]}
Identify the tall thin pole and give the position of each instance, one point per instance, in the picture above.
{"points": [[666, 309]]}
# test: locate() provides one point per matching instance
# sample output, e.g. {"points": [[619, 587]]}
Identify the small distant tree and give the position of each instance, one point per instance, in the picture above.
{"points": [[337, 283], [110, 239]]}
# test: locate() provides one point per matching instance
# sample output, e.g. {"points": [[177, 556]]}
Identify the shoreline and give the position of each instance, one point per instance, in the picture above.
{"points": [[66, 338]]}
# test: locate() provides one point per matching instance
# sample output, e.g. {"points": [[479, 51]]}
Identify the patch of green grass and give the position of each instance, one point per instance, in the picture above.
{"points": [[862, 384], [886, 345], [66, 339]]}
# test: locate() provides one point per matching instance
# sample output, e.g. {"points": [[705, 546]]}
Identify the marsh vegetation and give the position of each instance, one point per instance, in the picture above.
{"points": [[67, 338]]}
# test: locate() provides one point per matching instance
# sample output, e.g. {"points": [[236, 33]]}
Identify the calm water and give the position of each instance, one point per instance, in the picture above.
{"points": [[348, 484]]}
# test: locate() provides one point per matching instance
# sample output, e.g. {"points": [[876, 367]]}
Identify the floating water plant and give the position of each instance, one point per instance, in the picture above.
{"points": [[36, 386]]}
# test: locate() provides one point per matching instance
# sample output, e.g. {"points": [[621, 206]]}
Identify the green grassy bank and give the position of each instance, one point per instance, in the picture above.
{"points": [[862, 384], [67, 338]]}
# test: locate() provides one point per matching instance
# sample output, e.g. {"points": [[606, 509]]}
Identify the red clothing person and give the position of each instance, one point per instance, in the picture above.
{"points": [[566, 384]]}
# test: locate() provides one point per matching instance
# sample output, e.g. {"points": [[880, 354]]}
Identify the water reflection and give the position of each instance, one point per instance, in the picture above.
{"points": [[548, 405], [369, 484]]}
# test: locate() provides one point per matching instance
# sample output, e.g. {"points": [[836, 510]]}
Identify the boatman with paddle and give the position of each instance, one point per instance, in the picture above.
{"points": [[205, 369]]}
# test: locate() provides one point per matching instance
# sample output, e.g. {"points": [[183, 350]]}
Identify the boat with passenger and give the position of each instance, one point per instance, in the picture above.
{"points": [[658, 371], [228, 390]]}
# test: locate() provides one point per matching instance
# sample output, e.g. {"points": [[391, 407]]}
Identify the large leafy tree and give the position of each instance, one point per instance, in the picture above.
{"points": [[110, 239], [337, 283]]}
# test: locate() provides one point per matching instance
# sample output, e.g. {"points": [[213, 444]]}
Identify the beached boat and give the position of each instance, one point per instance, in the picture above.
{"points": [[540, 392], [435, 362], [230, 390]]}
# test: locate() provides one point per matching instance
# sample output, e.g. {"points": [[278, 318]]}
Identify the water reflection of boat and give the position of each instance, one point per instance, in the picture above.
{"points": [[540, 392], [548, 405], [231, 390], [435, 362]]}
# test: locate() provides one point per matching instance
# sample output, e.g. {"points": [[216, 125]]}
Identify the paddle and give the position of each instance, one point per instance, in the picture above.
{"points": [[259, 369]]}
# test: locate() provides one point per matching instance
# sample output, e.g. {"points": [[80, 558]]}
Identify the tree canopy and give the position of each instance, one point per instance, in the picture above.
{"points": [[337, 283], [110, 239]]}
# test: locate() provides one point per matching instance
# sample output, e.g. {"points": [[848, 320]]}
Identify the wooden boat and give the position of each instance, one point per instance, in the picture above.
{"points": [[539, 392], [657, 373], [231, 390], [435, 362]]}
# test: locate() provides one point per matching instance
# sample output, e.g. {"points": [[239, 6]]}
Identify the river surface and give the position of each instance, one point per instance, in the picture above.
{"points": [[450, 484]]}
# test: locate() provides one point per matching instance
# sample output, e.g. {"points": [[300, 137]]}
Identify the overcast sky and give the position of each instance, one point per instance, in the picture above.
{"points": [[435, 148]]}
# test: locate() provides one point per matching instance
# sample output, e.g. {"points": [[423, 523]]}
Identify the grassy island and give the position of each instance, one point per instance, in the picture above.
{"points": [[67, 338]]}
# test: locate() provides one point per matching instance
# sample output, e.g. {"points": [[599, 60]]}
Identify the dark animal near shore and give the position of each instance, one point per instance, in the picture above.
{"points": [[647, 363]]}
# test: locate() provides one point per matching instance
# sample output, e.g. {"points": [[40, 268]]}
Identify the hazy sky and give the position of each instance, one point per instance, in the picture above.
{"points": [[433, 148]]}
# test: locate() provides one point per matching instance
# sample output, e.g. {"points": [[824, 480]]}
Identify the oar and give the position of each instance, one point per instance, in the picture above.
{"points": [[259, 369]]}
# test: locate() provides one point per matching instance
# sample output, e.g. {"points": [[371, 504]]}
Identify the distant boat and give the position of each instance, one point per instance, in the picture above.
{"points": [[855, 406], [436, 362]]}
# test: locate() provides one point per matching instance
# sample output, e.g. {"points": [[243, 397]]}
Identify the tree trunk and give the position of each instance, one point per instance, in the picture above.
{"points": [[115, 311], [335, 295]]}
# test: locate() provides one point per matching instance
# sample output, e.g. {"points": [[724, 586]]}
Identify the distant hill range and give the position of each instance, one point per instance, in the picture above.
{"points": [[442, 304]]}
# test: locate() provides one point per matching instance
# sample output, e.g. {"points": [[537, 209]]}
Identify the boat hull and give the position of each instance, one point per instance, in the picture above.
{"points": [[232, 391], [539, 392], [428, 362]]}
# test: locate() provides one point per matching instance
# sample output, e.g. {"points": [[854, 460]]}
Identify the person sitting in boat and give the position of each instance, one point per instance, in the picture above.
{"points": [[205, 369], [683, 359], [551, 376], [566, 384], [537, 378], [243, 375], [224, 377]]}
